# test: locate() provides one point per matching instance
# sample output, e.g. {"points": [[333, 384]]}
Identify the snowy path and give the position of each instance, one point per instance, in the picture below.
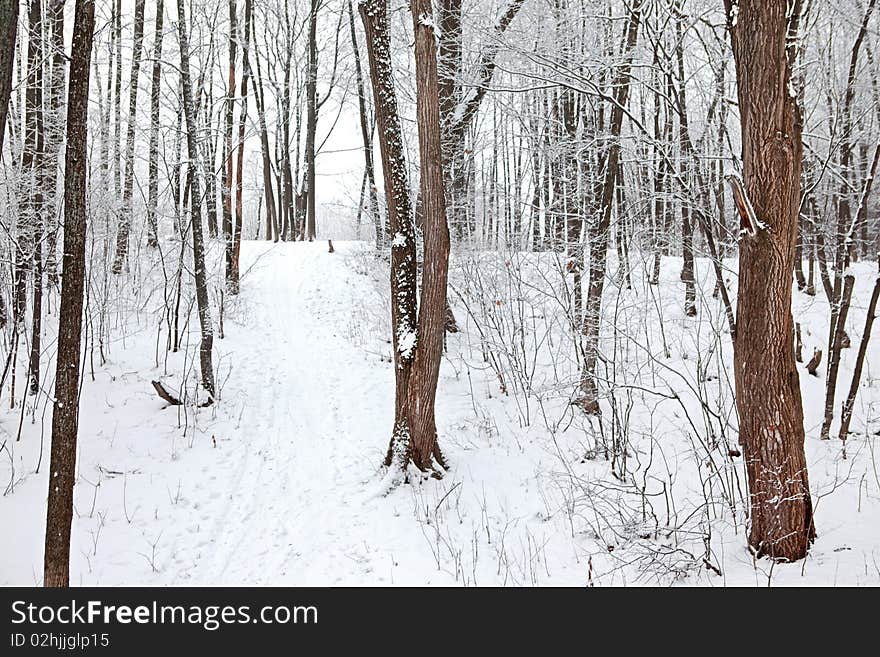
{"points": [[293, 513]]}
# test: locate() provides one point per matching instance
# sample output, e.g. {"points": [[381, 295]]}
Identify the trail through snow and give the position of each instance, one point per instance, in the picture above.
{"points": [[294, 511]]}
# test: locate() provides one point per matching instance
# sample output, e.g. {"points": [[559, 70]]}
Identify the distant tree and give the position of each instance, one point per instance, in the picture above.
{"points": [[125, 216]]}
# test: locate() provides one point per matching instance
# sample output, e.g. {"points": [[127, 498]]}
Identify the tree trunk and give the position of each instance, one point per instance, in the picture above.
{"points": [[198, 239], [311, 118], [432, 303], [128, 180], [403, 244], [366, 133], [233, 281], [8, 32], [228, 174], [598, 232], [54, 134], [768, 394], [65, 417], [30, 233], [155, 95], [268, 191]]}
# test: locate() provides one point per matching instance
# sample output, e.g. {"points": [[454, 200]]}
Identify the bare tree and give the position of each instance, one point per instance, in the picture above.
{"points": [[128, 180], [198, 239], [155, 95]]}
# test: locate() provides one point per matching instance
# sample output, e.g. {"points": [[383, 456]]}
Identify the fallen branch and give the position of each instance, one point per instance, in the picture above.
{"points": [[163, 392]]}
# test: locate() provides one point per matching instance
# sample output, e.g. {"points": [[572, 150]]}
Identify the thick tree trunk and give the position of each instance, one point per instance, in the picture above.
{"points": [[432, 303], [65, 417], [403, 244], [8, 32], [768, 394], [311, 118]]}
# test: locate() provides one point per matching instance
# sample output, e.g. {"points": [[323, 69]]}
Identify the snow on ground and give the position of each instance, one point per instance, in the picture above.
{"points": [[279, 483]]}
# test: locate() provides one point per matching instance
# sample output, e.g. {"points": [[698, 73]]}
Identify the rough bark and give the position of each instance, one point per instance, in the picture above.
{"points": [[8, 33], [403, 245], [155, 95], [232, 281], [768, 392], [65, 417], [366, 133]]}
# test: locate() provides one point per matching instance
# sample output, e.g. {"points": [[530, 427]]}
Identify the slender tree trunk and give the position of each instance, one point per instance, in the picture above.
{"points": [[424, 450], [599, 231], [155, 95], [228, 174], [269, 192], [366, 133], [65, 417], [311, 117], [128, 180], [30, 233], [768, 394], [198, 239], [233, 282], [54, 134], [846, 412]]}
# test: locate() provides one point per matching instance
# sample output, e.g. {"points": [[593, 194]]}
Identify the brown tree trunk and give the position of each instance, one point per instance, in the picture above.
{"points": [[65, 417], [432, 303], [403, 245], [198, 239], [846, 412], [311, 118], [8, 32], [768, 392]]}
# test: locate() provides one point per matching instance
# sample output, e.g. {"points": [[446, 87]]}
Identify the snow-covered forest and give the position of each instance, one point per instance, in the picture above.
{"points": [[463, 292]]}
